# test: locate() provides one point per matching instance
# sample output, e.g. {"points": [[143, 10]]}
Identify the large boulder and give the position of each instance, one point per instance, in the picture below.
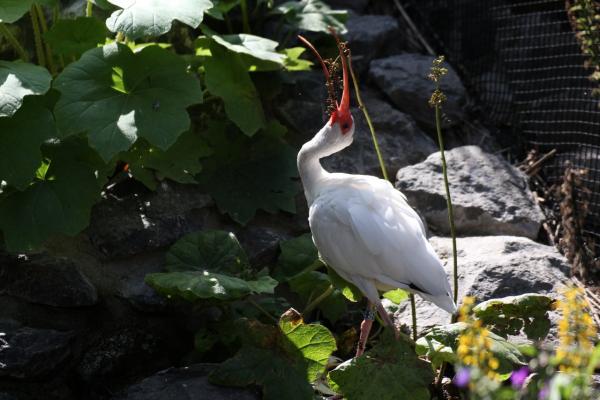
{"points": [[490, 197], [403, 78], [183, 383], [46, 280], [400, 140], [493, 267], [30, 353], [143, 220], [371, 36]]}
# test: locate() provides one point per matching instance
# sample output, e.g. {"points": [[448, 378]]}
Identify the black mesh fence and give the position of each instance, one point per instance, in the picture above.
{"points": [[521, 60]]}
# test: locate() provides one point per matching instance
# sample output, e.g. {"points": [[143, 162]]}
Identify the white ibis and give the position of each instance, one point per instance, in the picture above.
{"points": [[363, 228]]}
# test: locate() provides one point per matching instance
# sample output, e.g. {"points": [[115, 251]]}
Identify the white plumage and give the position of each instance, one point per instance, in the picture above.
{"points": [[363, 228]]}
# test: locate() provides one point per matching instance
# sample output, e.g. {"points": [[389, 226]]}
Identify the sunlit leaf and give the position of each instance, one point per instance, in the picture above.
{"points": [[116, 96], [17, 80], [227, 77], [312, 15], [437, 342], [396, 296], [73, 37], [138, 18], [254, 46], [508, 315], [390, 370], [293, 62], [194, 286], [282, 360]]}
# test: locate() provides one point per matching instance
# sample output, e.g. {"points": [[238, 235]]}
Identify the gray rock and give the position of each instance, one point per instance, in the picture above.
{"points": [[403, 78], [492, 267], [133, 288], [400, 140], [33, 353], [140, 222], [490, 197], [261, 244], [118, 354], [183, 383], [45, 280], [368, 37]]}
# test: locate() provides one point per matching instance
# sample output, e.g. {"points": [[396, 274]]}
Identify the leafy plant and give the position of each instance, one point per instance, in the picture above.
{"points": [[390, 370], [282, 360], [137, 97]]}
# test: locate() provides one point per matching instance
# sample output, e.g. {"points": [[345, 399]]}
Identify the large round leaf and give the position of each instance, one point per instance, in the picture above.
{"points": [[12, 10], [154, 17], [20, 139], [254, 46], [116, 95], [17, 80], [217, 251]]}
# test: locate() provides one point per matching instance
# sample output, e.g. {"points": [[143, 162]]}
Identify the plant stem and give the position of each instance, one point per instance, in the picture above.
{"points": [[262, 310], [120, 37], [4, 31], [88, 8], [41, 17], [245, 20], [39, 49], [413, 309], [362, 107], [311, 306], [438, 126]]}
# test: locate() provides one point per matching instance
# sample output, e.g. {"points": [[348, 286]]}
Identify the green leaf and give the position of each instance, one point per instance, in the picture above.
{"points": [[21, 137], [217, 251], [297, 255], [18, 80], [227, 77], [72, 37], [116, 96], [314, 341], [12, 10], [282, 360], [312, 15], [150, 165], [396, 296], [194, 286], [254, 49], [311, 284], [436, 342], [293, 62], [244, 175], [390, 370], [508, 315], [154, 17], [59, 204]]}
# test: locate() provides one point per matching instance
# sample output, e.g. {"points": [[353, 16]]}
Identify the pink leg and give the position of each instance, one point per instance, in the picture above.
{"points": [[365, 329], [388, 320]]}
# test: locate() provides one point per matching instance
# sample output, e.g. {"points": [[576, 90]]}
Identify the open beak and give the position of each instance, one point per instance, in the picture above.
{"points": [[343, 106]]}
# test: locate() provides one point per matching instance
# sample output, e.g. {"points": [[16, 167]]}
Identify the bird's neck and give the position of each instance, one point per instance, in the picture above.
{"points": [[311, 171]]}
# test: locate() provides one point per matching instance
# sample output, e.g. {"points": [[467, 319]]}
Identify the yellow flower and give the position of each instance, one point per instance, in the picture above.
{"points": [[576, 332]]}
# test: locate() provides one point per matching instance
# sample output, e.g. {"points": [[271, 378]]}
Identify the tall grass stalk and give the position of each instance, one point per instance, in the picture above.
{"points": [[5, 31], [88, 8], [37, 36], [436, 101], [362, 107]]}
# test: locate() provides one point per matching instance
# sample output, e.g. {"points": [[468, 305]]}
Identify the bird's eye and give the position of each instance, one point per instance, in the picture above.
{"points": [[345, 126]]}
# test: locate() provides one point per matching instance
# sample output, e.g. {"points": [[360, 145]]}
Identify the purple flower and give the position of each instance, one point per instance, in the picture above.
{"points": [[544, 392], [462, 377], [517, 378]]}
